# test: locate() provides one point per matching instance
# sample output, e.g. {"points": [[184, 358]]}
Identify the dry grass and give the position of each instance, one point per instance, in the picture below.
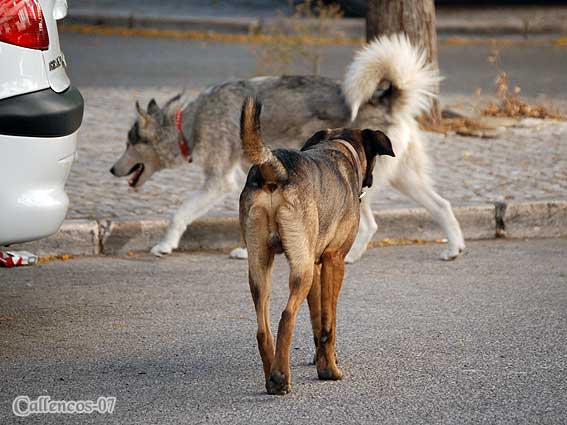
{"points": [[403, 242], [6, 318], [502, 41], [312, 39], [509, 103], [65, 257], [328, 39], [457, 125]]}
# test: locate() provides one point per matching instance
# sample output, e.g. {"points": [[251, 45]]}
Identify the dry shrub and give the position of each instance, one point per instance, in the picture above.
{"points": [[509, 103]]}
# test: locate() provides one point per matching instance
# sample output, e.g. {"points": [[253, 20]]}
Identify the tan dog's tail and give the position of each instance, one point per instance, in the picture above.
{"points": [[256, 151]]}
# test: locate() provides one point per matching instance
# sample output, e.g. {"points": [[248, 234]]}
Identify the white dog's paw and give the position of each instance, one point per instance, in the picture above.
{"points": [[451, 253], [239, 254], [162, 248], [354, 255]]}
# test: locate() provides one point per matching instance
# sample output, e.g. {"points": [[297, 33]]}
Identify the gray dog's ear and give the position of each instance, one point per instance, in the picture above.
{"points": [[375, 143], [139, 109], [320, 136], [143, 115], [153, 108]]}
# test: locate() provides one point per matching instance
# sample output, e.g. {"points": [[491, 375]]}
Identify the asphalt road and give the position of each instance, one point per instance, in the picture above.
{"points": [[479, 340], [107, 61]]}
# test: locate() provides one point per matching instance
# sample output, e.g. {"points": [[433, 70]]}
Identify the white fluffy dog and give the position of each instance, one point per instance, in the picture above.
{"points": [[412, 83]]}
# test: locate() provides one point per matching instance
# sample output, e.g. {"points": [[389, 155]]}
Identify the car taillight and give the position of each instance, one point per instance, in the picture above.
{"points": [[22, 24]]}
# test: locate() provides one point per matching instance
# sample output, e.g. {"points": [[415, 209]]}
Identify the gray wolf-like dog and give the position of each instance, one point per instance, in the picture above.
{"points": [[305, 204], [388, 84]]}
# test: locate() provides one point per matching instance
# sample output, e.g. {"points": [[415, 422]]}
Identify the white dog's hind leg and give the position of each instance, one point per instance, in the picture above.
{"points": [[240, 253], [366, 230], [198, 203], [421, 191]]}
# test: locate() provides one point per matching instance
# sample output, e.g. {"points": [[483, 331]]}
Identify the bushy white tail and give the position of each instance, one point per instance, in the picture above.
{"points": [[394, 59]]}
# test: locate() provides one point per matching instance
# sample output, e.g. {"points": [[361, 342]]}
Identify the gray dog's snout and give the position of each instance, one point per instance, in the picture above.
{"points": [[112, 171]]}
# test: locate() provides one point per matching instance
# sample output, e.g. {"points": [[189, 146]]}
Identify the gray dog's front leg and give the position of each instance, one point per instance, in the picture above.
{"points": [[197, 205]]}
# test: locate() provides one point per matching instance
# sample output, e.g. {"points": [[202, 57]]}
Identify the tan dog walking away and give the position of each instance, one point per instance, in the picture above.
{"points": [[305, 204]]}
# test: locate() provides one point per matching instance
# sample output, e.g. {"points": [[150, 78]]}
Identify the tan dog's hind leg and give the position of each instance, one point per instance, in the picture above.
{"points": [[260, 266], [300, 280], [332, 274], [314, 301]]}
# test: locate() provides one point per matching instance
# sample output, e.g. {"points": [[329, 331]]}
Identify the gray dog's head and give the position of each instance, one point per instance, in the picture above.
{"points": [[142, 156]]}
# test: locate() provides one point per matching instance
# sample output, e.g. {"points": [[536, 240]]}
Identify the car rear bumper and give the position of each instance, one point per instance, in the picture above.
{"points": [[38, 140], [44, 113], [33, 172]]}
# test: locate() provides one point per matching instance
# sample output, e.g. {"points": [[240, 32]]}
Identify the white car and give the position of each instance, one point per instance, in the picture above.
{"points": [[40, 115]]}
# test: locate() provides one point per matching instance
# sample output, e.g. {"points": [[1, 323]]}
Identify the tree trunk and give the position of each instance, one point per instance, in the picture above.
{"points": [[416, 18]]}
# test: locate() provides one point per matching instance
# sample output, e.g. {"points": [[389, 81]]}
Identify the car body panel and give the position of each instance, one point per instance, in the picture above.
{"points": [[22, 71], [34, 202], [41, 113]]}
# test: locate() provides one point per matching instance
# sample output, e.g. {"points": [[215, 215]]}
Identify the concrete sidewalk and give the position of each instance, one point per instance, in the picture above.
{"points": [[255, 16]]}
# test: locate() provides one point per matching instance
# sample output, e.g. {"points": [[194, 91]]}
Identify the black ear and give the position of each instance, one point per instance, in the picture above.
{"points": [[153, 108], [318, 137], [377, 142]]}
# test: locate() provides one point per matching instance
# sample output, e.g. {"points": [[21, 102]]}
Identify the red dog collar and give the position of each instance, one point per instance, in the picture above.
{"points": [[183, 146]]}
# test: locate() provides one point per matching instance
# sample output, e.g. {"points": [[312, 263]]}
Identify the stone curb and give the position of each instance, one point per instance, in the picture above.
{"points": [[540, 219], [533, 219], [350, 27], [75, 237], [477, 222]]}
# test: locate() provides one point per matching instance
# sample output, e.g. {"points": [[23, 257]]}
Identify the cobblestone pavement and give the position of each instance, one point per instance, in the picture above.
{"points": [[523, 164]]}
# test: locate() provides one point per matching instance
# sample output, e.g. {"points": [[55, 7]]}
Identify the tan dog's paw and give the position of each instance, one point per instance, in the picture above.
{"points": [[327, 370], [332, 373], [277, 384]]}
